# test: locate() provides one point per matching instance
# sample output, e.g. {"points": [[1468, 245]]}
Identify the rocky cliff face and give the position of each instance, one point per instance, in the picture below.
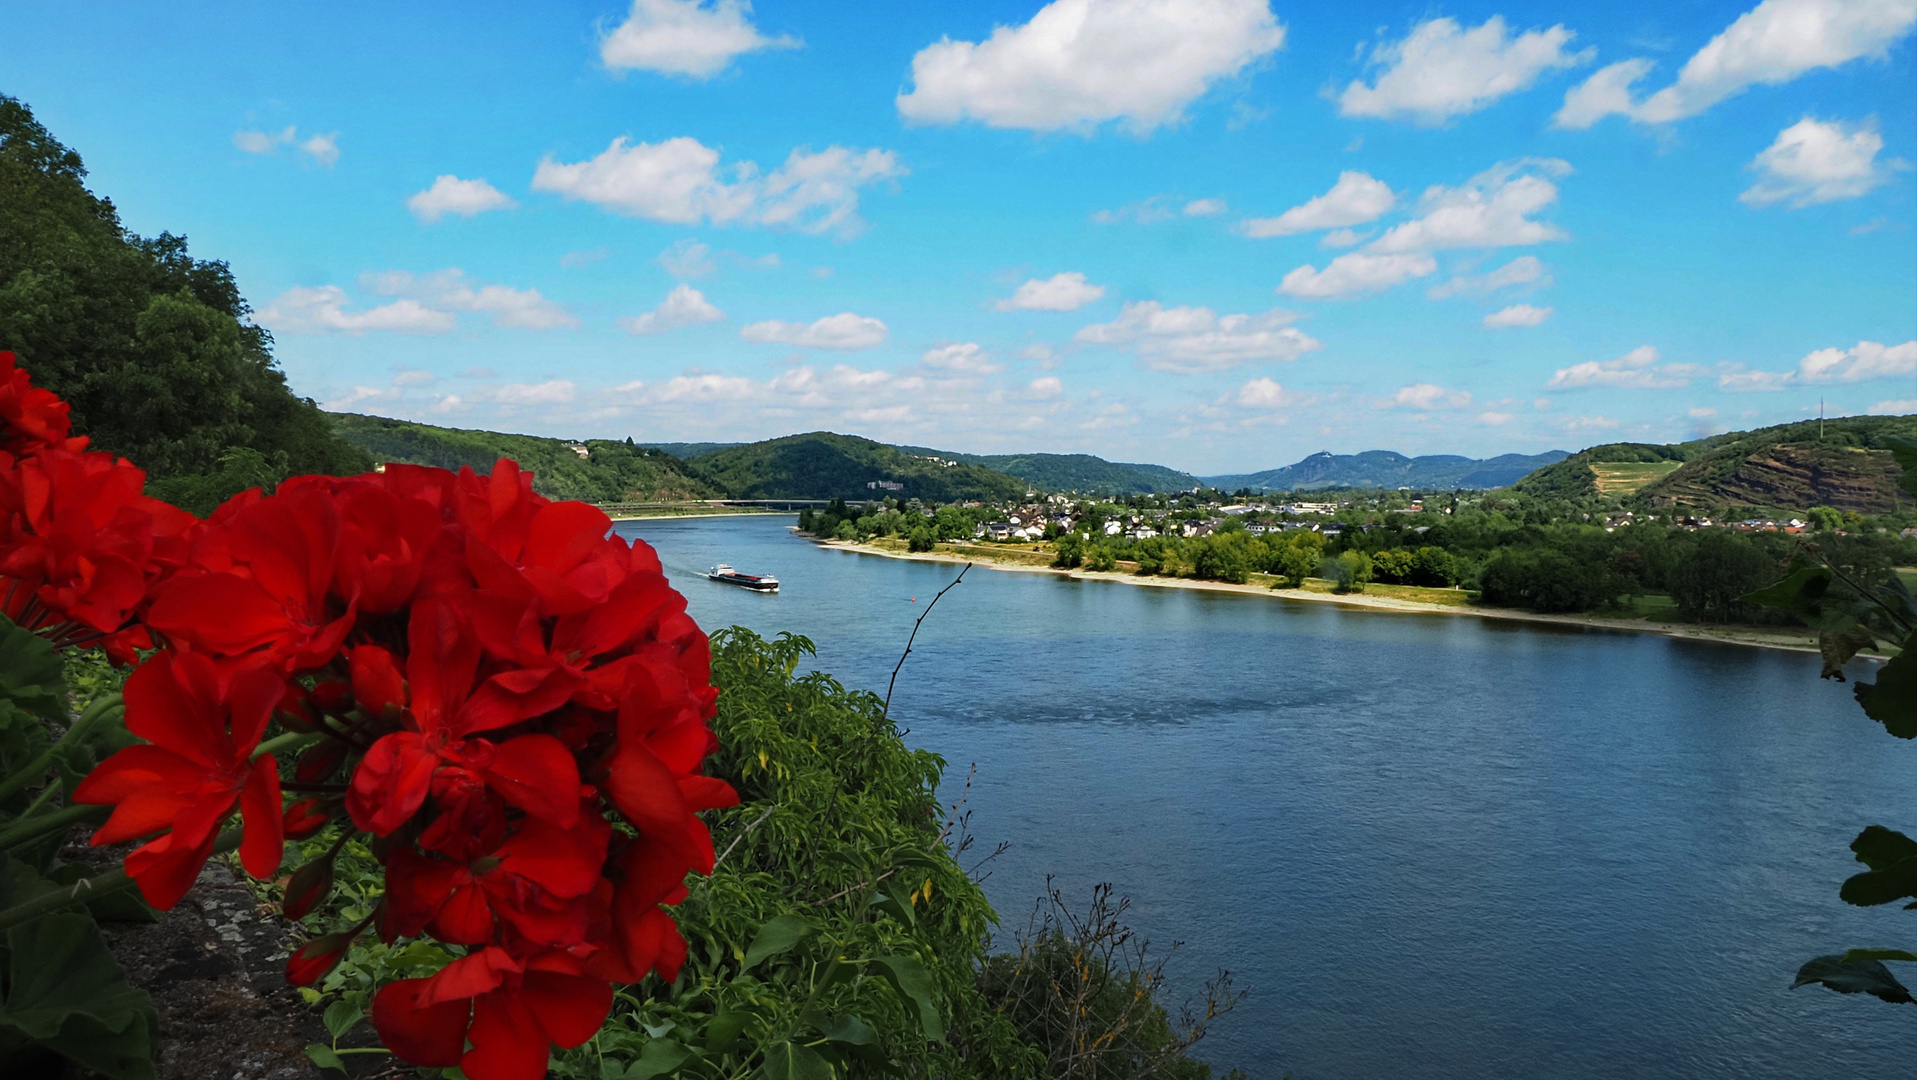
{"points": [[1787, 478]]}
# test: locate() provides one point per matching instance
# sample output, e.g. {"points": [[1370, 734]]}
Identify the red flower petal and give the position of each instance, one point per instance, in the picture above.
{"points": [[570, 1008], [432, 1035], [537, 774], [264, 845], [391, 782], [508, 1043]]}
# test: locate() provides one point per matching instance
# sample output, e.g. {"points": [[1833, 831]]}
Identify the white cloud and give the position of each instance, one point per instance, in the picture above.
{"points": [[322, 310], [843, 331], [1343, 238], [683, 306], [358, 395], [1862, 362], [523, 309], [1813, 162], [685, 37], [1523, 270], [1490, 210], [963, 358], [578, 260], [551, 392], [323, 149], [688, 259], [1039, 352], [415, 378], [1773, 43], [1060, 292], [1495, 419], [1635, 370], [1190, 340], [1441, 70], [1355, 274], [680, 181], [1262, 394], [1355, 199], [1080, 63], [1894, 408], [1143, 212], [1427, 396], [1044, 388], [263, 142], [451, 195], [1205, 207], [1517, 315], [1589, 423]]}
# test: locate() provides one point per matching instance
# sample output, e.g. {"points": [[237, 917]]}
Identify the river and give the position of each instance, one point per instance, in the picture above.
{"points": [[1428, 846]]}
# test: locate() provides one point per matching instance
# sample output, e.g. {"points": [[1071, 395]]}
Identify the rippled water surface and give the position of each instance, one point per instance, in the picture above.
{"points": [[1429, 846]]}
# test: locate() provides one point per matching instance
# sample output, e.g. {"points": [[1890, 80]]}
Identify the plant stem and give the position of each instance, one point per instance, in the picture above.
{"points": [[292, 740], [21, 832], [36, 768], [105, 884]]}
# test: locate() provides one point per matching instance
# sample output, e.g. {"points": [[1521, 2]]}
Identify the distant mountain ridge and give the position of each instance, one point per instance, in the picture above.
{"points": [[1388, 469], [824, 465]]}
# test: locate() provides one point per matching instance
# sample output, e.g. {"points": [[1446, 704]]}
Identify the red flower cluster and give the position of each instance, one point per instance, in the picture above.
{"points": [[510, 700], [80, 548]]}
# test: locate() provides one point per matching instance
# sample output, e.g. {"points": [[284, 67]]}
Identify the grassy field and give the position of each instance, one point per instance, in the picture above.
{"points": [[1629, 477]]}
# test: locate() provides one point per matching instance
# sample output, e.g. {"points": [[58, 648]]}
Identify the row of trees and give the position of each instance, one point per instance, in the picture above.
{"points": [[1527, 555]]}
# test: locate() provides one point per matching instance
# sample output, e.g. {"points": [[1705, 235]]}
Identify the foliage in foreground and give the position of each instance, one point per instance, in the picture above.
{"points": [[841, 932], [1852, 613]]}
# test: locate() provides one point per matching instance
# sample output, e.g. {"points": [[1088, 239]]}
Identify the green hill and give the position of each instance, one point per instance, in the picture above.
{"points": [[610, 472], [686, 451], [1386, 469], [149, 345], [1073, 472], [823, 465], [1840, 463]]}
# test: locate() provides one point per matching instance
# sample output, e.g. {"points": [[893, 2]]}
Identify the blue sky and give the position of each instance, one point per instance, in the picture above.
{"points": [[1215, 234]]}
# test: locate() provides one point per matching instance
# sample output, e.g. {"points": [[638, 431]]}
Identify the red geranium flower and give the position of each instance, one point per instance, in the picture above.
{"points": [[31, 418], [202, 723], [396, 774], [513, 1011], [536, 884]]}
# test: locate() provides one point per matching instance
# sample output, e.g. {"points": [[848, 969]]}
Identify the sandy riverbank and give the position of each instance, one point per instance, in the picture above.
{"points": [[1758, 636], [664, 513]]}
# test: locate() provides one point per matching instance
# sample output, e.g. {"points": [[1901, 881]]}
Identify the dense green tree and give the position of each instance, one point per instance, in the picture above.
{"points": [[150, 346]]}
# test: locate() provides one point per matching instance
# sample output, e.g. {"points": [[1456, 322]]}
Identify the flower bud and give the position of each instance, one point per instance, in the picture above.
{"points": [[319, 762], [307, 887], [311, 961], [304, 818]]}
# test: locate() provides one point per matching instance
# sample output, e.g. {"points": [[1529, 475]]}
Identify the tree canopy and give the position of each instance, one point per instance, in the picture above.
{"points": [[150, 346]]}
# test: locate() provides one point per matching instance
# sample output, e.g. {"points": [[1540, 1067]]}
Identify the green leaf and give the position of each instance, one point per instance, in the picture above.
{"points": [[125, 905], [322, 1055], [724, 1031], [1802, 592], [340, 1017], [30, 672], [913, 983], [1838, 646], [895, 907], [68, 993], [1861, 977], [1880, 848], [659, 1057], [1854, 955], [1873, 887], [845, 1028], [1892, 699], [790, 1061], [775, 937]]}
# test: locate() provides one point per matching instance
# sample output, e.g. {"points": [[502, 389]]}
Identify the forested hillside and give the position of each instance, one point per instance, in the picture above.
{"points": [[1386, 469], [822, 465], [1841, 463], [610, 472], [150, 345], [1074, 472]]}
